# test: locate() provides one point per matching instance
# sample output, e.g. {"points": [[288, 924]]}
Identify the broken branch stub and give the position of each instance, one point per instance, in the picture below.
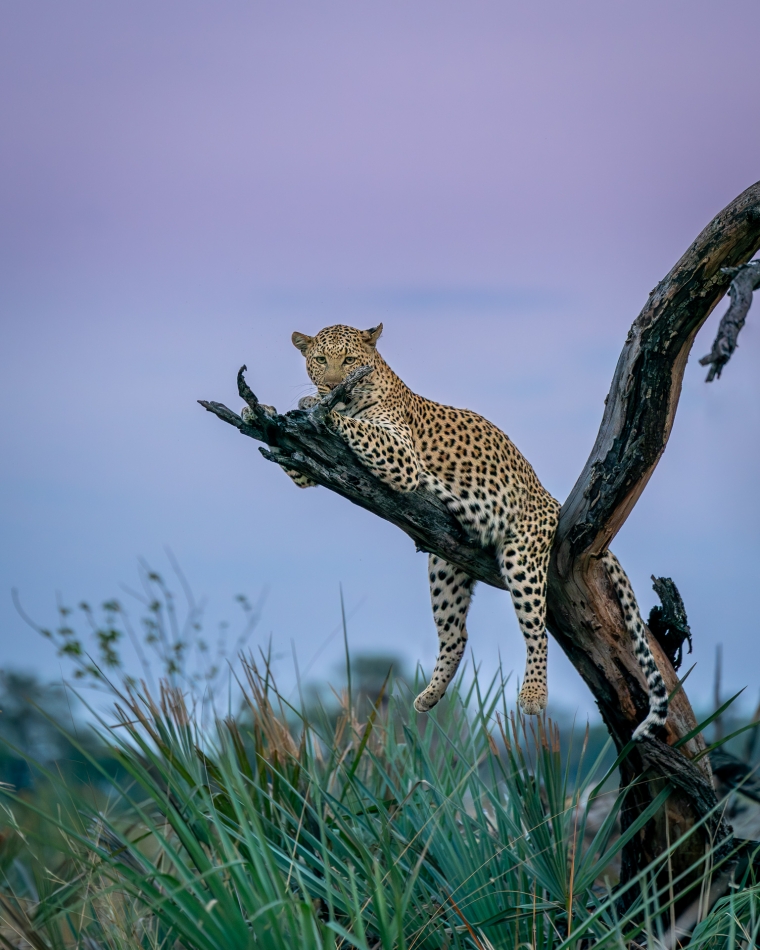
{"points": [[746, 279], [668, 623], [244, 390]]}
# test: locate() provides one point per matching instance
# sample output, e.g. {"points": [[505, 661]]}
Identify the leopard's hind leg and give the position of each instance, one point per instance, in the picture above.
{"points": [[450, 594], [524, 564]]}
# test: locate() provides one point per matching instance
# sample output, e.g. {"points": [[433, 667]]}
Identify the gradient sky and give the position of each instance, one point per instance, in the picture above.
{"points": [[182, 184]]}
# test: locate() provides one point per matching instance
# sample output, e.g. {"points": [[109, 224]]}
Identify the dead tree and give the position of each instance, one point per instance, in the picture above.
{"points": [[583, 612]]}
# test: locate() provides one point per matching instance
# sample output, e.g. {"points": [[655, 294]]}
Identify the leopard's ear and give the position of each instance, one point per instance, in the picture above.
{"points": [[372, 335], [301, 341]]}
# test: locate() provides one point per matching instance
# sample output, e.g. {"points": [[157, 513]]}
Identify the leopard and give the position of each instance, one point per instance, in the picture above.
{"points": [[411, 443]]}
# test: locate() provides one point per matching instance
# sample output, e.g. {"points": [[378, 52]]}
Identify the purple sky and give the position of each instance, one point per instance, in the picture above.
{"points": [[184, 184]]}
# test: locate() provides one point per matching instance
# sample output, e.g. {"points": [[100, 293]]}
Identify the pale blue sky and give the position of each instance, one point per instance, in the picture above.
{"points": [[184, 184]]}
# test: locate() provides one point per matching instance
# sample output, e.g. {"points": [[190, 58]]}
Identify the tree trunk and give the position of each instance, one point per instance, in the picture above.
{"points": [[583, 613]]}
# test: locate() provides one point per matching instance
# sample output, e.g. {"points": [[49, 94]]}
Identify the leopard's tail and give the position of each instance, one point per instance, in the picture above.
{"points": [[658, 696]]}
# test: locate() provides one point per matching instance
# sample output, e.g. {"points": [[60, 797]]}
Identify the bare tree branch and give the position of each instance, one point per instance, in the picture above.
{"points": [[303, 441], [746, 279]]}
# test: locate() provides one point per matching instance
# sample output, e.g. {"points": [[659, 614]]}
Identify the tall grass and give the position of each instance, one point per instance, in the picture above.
{"points": [[463, 829]]}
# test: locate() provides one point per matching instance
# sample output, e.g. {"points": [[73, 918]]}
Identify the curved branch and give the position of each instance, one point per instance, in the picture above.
{"points": [[646, 386]]}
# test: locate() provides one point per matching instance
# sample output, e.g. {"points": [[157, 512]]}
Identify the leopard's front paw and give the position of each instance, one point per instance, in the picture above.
{"points": [[533, 699], [319, 413], [308, 402], [248, 415]]}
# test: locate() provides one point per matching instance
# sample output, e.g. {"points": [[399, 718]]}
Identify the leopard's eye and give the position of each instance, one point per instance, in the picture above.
{"points": [[350, 359], [321, 359]]}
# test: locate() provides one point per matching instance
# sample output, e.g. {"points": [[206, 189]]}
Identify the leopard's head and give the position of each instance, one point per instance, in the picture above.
{"points": [[335, 351]]}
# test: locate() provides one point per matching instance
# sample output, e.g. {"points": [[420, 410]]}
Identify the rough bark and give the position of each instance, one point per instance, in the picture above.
{"points": [[583, 613]]}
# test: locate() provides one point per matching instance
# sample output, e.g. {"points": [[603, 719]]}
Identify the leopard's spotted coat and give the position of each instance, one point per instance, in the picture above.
{"points": [[408, 441]]}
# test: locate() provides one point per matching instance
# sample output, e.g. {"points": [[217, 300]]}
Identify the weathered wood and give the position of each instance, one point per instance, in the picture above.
{"points": [[583, 613], [745, 280]]}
